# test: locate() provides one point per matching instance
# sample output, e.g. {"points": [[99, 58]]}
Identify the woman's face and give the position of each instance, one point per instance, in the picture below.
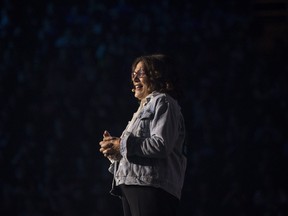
{"points": [[140, 82]]}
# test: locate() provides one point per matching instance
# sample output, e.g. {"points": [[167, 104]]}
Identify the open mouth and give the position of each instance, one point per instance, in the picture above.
{"points": [[138, 87]]}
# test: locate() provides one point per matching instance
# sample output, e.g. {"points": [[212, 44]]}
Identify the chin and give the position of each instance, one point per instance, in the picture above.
{"points": [[138, 96]]}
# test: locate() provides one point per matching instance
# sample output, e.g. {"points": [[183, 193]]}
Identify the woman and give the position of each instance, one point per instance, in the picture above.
{"points": [[147, 160]]}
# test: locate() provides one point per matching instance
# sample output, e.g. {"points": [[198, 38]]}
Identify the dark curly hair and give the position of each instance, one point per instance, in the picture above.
{"points": [[161, 72]]}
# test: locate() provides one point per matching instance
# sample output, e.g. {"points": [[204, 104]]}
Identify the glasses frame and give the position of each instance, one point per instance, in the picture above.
{"points": [[139, 74]]}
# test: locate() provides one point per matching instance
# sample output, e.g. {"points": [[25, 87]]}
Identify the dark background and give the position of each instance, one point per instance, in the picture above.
{"points": [[64, 79]]}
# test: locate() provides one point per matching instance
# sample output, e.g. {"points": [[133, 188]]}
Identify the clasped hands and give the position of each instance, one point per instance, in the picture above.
{"points": [[110, 146]]}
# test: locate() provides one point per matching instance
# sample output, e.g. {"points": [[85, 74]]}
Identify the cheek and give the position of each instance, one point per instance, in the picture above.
{"points": [[149, 88], [146, 88]]}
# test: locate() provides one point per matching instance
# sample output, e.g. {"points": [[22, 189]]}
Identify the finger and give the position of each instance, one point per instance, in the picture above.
{"points": [[107, 138], [106, 145], [101, 150], [105, 151], [104, 142], [106, 134], [108, 151]]}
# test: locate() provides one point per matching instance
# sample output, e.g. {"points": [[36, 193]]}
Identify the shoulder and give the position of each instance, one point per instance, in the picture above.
{"points": [[160, 99]]}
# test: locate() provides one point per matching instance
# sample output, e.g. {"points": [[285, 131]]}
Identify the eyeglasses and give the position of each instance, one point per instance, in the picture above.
{"points": [[139, 74]]}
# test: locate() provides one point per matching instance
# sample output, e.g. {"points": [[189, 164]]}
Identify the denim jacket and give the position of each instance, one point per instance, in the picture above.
{"points": [[152, 147]]}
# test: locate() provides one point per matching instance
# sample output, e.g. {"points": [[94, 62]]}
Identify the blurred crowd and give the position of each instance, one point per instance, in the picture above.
{"points": [[65, 78]]}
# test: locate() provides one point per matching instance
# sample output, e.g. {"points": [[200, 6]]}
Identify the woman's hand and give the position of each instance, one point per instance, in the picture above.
{"points": [[110, 146]]}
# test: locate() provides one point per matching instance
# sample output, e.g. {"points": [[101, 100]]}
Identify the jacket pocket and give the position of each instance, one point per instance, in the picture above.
{"points": [[144, 124]]}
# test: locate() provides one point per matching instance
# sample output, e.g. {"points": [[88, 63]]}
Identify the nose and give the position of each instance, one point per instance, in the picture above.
{"points": [[135, 77]]}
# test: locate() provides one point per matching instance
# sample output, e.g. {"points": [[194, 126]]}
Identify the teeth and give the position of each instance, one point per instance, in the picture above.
{"points": [[138, 86]]}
